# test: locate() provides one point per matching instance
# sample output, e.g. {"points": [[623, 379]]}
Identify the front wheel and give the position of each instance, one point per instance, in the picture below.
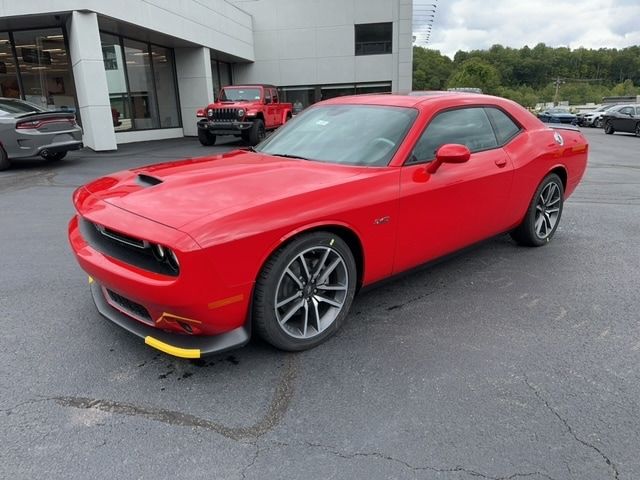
{"points": [[304, 291], [597, 123], [543, 215], [608, 128], [257, 132], [638, 129], [206, 138]]}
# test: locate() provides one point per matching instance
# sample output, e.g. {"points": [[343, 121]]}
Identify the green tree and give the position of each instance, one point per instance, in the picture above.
{"points": [[476, 73], [430, 69]]}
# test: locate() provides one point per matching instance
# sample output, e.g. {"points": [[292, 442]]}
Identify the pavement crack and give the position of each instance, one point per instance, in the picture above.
{"points": [[10, 410], [570, 430], [274, 415], [416, 468]]}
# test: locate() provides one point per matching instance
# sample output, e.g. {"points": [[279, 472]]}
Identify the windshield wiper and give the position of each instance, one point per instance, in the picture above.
{"points": [[288, 155]]}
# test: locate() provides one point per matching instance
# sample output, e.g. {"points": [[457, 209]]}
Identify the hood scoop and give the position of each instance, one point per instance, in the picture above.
{"points": [[145, 180]]}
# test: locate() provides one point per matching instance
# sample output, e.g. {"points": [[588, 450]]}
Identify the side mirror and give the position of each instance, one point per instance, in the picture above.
{"points": [[449, 153]]}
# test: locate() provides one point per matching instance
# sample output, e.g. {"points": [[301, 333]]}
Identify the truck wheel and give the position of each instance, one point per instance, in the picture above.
{"points": [[4, 160], [206, 138], [257, 132]]}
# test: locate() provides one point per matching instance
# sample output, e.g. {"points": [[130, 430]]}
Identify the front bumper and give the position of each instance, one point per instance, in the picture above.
{"points": [[231, 127], [176, 344]]}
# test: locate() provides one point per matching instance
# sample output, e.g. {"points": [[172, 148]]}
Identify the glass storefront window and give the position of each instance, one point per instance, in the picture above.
{"points": [[221, 74], [9, 86], [141, 82], [299, 97], [163, 69], [116, 82], [141, 88], [45, 69]]}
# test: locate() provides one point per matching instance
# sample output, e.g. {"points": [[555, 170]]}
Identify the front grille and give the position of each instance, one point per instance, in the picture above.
{"points": [[128, 249], [129, 307], [226, 114]]}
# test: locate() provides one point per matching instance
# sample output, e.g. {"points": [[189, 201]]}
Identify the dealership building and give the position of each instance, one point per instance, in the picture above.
{"points": [[136, 70]]}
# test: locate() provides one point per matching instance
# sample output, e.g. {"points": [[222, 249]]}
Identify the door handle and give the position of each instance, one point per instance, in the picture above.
{"points": [[501, 162]]}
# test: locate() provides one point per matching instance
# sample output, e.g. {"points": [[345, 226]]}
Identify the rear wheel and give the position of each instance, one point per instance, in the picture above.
{"points": [[543, 215], [4, 160], [206, 138], [54, 156], [304, 291], [257, 132], [608, 128]]}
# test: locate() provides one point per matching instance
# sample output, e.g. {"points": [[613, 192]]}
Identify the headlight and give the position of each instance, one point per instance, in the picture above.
{"points": [[210, 112], [241, 112], [165, 255]]}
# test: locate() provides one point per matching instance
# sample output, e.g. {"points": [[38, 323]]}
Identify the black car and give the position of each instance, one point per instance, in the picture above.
{"points": [[623, 118]]}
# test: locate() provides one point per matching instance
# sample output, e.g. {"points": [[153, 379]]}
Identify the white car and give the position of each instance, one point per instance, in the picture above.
{"points": [[593, 118]]}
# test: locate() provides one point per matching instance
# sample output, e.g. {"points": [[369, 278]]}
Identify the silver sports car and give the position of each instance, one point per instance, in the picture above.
{"points": [[27, 130]]}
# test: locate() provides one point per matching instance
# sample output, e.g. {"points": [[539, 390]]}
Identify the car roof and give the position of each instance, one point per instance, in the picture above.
{"points": [[399, 100], [244, 85]]}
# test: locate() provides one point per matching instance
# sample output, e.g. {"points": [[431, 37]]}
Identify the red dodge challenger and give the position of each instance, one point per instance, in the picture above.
{"points": [[192, 256]]}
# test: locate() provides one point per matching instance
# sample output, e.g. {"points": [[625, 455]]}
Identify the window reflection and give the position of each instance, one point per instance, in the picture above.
{"points": [[9, 86], [141, 83], [45, 68]]}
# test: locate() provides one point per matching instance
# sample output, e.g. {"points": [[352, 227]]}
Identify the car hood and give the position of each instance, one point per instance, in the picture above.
{"points": [[177, 193]]}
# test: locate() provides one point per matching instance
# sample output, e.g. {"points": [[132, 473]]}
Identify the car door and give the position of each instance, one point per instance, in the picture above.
{"points": [[459, 204], [623, 120], [277, 108]]}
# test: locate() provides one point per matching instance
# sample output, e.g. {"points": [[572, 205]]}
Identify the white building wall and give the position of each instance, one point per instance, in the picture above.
{"points": [[312, 42], [214, 24]]}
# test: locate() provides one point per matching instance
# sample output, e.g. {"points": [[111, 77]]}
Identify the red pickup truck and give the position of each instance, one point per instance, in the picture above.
{"points": [[246, 111]]}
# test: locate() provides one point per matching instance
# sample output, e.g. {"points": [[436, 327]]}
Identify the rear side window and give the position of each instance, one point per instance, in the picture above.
{"points": [[505, 128], [467, 126]]}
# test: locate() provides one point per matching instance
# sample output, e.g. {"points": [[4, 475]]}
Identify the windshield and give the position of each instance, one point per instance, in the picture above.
{"points": [[346, 134], [9, 106], [240, 94]]}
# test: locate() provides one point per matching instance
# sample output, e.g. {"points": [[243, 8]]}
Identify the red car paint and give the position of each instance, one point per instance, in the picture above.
{"points": [[225, 215]]}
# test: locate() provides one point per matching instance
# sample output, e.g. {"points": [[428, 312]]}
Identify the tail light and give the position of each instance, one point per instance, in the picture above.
{"points": [[31, 124]]}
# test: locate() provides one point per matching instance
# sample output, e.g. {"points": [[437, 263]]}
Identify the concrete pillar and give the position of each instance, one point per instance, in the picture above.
{"points": [[91, 81], [195, 84]]}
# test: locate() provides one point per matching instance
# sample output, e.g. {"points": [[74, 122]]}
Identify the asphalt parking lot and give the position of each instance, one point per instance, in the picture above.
{"points": [[501, 363]]}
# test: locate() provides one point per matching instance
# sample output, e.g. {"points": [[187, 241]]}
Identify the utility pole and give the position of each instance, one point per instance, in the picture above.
{"points": [[555, 97]]}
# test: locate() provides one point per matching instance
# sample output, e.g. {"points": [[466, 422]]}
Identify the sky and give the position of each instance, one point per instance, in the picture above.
{"points": [[479, 24]]}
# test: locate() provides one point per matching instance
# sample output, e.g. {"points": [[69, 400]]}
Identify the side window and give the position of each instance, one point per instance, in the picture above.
{"points": [[467, 126], [505, 128], [267, 95], [638, 110], [274, 95], [627, 110]]}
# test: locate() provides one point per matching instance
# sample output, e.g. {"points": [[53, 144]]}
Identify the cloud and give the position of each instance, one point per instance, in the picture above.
{"points": [[478, 24]]}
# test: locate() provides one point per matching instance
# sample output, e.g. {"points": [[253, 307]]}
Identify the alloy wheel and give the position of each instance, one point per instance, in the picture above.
{"points": [[547, 210], [311, 292]]}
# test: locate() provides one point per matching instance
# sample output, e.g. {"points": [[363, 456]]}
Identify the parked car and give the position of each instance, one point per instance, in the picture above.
{"points": [[592, 118], [246, 111], [194, 256], [557, 115], [622, 118], [27, 130]]}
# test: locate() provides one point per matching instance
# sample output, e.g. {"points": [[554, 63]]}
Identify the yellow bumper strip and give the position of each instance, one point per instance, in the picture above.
{"points": [[171, 350], [90, 280]]}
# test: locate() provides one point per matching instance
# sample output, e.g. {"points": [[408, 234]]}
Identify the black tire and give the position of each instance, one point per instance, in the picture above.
{"points": [[4, 160], [275, 282], [206, 138], [597, 123], [527, 233], [257, 132], [608, 128], [638, 129], [54, 156]]}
